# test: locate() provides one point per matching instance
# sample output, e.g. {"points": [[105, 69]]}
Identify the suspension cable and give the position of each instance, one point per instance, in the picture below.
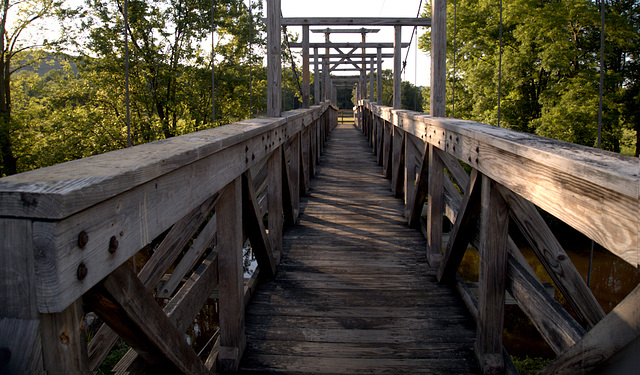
{"points": [[293, 64], [415, 31], [126, 70], [500, 67], [455, 33]]}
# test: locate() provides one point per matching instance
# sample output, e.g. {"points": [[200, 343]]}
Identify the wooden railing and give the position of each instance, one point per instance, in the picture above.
{"points": [[593, 191], [68, 231]]}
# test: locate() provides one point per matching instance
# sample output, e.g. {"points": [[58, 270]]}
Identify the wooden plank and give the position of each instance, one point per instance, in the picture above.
{"points": [[435, 208], [554, 259], [184, 307], [231, 301], [438, 58], [410, 161], [493, 271], [188, 261], [356, 21], [274, 59], [64, 343], [554, 323], [126, 305], [254, 227], [612, 334], [463, 230]]}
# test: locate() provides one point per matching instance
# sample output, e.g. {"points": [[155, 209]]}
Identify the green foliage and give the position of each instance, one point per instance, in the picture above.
{"points": [[550, 67], [530, 366]]}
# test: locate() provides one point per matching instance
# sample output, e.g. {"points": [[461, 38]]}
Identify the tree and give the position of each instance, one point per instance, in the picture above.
{"points": [[18, 19], [550, 66]]}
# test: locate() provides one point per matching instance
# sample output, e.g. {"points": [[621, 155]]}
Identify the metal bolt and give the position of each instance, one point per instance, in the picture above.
{"points": [[82, 271], [113, 245], [83, 239]]}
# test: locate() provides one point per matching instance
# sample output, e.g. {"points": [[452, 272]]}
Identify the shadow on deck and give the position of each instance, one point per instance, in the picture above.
{"points": [[354, 292]]}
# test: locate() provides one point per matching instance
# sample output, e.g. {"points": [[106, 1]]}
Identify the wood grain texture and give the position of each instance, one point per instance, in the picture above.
{"points": [[254, 228], [397, 67], [274, 58], [356, 21], [64, 343], [494, 231], [438, 58], [463, 230], [553, 257], [612, 334], [185, 305], [354, 293], [231, 301], [435, 210]]}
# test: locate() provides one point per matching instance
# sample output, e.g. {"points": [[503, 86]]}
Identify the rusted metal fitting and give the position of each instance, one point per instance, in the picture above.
{"points": [[82, 271], [83, 239], [113, 245]]}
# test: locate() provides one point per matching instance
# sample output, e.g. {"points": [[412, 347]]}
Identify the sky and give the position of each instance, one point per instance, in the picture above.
{"points": [[366, 8]]}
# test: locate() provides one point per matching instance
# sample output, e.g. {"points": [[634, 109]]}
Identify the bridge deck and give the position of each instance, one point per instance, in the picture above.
{"points": [[354, 293]]}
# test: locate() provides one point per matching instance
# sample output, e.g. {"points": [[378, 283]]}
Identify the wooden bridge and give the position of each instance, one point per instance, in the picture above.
{"points": [[354, 271]]}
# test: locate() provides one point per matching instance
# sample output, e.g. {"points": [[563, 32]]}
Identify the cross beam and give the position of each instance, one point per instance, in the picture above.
{"points": [[345, 31], [348, 45], [357, 21]]}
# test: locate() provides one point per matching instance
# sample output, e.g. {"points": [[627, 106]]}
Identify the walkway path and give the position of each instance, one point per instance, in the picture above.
{"points": [[354, 293]]}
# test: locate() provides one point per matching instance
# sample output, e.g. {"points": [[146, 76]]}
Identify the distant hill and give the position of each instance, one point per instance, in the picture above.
{"points": [[51, 62]]}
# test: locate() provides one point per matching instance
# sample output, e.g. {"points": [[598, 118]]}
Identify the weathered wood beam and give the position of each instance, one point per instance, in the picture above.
{"points": [[438, 58], [554, 259], [126, 305], [357, 21], [348, 45], [553, 322], [462, 231], [397, 176], [230, 277], [254, 227], [420, 191], [397, 68], [435, 208], [494, 232], [275, 204], [189, 259], [288, 204], [612, 334], [345, 31], [274, 59], [64, 345], [306, 77], [186, 304]]}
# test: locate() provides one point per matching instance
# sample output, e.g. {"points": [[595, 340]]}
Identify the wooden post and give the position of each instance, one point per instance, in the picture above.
{"points": [[397, 68], [371, 81], [363, 70], [316, 79], [438, 57], [274, 59], [325, 70], [306, 86], [275, 203], [436, 208], [231, 281], [20, 337], [379, 78], [64, 346], [494, 234]]}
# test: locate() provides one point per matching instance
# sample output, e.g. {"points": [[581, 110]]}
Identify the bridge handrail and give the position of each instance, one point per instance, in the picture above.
{"points": [[562, 178], [595, 192], [68, 230]]}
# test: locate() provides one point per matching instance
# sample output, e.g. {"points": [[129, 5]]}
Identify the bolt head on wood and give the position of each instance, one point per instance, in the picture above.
{"points": [[82, 271], [113, 245], [83, 239]]}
